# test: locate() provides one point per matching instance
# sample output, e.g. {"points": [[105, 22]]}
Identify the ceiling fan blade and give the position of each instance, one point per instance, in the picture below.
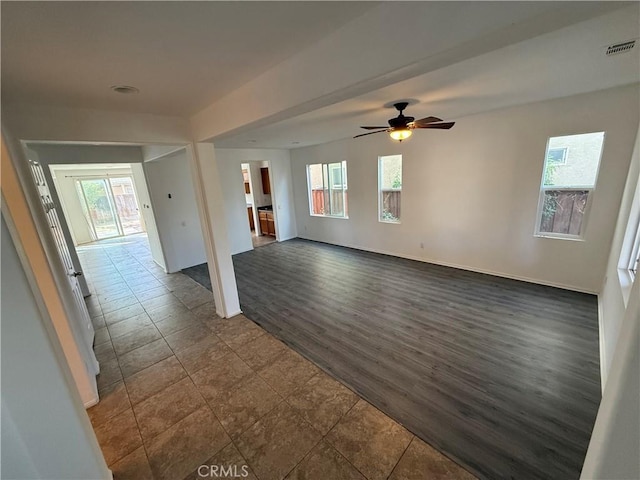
{"points": [[426, 120], [442, 126], [374, 128], [370, 133]]}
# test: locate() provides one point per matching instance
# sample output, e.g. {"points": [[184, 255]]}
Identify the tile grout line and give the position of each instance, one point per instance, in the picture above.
{"points": [[413, 437], [283, 398]]}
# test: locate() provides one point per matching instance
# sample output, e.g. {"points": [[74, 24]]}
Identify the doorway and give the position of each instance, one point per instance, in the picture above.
{"points": [[257, 189], [110, 206]]}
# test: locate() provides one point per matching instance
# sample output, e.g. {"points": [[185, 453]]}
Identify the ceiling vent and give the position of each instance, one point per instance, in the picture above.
{"points": [[620, 47]]}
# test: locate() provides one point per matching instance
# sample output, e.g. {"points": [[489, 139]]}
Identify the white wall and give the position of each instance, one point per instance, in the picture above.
{"points": [[153, 152], [53, 123], [470, 194], [617, 283], [45, 431], [76, 154], [229, 164], [176, 217], [615, 441], [146, 208]]}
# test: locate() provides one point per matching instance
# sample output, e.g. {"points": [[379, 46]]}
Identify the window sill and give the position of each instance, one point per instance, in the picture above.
{"points": [[328, 216], [390, 221], [626, 282], [559, 237]]}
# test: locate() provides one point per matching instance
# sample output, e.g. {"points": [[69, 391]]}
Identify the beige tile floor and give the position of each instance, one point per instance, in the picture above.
{"points": [[188, 395], [261, 240]]}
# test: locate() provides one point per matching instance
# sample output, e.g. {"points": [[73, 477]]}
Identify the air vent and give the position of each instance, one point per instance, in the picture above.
{"points": [[620, 47]]}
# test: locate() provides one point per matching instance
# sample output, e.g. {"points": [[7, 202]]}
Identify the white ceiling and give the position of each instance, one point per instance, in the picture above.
{"points": [[181, 55], [186, 55], [561, 63]]}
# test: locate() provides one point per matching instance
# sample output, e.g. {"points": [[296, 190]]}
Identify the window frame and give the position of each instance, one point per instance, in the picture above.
{"points": [[326, 167], [565, 151], [544, 188], [633, 263], [380, 201]]}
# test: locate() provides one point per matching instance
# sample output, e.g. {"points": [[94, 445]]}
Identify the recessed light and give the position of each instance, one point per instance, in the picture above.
{"points": [[124, 89]]}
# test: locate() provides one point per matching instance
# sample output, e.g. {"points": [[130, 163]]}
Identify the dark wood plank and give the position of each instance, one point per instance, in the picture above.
{"points": [[502, 376]]}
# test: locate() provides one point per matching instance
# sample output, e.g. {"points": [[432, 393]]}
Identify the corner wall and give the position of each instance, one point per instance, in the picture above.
{"points": [[470, 194], [616, 288], [229, 164], [176, 217]]}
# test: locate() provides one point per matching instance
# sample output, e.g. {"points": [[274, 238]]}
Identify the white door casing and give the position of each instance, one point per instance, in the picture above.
{"points": [[82, 327]]}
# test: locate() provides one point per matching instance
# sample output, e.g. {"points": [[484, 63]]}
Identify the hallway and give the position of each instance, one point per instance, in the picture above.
{"points": [[181, 388]]}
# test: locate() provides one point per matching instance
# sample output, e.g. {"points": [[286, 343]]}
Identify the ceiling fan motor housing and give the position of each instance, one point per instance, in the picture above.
{"points": [[400, 121]]}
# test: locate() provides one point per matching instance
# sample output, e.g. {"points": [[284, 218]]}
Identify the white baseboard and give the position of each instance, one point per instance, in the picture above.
{"points": [[233, 314], [91, 403], [287, 238], [460, 267]]}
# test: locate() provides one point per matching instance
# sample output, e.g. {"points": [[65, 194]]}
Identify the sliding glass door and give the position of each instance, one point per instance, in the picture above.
{"points": [[109, 206], [124, 197]]}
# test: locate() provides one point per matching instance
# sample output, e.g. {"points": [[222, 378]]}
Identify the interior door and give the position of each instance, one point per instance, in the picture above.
{"points": [[82, 327]]}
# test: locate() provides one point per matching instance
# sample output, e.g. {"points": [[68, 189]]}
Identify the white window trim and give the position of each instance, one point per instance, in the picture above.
{"points": [[310, 197], [587, 208], [380, 220], [633, 265], [630, 249]]}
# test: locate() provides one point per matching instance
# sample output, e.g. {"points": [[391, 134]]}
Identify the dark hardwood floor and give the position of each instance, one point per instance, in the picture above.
{"points": [[502, 376]]}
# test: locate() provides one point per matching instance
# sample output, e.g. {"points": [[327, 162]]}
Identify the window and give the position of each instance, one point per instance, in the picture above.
{"points": [[557, 156], [327, 184], [568, 181], [389, 188]]}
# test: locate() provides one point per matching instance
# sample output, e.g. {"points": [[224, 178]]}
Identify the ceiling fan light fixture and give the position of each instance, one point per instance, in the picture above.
{"points": [[400, 134]]}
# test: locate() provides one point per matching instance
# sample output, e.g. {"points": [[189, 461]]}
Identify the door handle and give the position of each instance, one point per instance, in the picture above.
{"points": [[75, 274]]}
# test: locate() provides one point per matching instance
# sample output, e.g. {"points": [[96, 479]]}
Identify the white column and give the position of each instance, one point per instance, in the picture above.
{"points": [[207, 184]]}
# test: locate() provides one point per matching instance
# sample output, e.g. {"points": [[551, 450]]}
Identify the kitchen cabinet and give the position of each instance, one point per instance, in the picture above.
{"points": [[266, 184], [267, 224]]}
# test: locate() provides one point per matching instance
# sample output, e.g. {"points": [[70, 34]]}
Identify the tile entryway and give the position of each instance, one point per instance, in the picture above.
{"points": [[185, 393]]}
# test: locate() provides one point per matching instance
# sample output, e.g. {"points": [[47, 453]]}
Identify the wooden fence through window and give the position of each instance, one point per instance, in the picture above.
{"points": [[319, 197], [563, 211]]}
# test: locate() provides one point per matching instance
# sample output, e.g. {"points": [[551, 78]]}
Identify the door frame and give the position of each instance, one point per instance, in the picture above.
{"points": [[28, 228]]}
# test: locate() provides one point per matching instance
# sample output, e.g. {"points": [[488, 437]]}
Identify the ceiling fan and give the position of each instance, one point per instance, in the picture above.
{"points": [[400, 127]]}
